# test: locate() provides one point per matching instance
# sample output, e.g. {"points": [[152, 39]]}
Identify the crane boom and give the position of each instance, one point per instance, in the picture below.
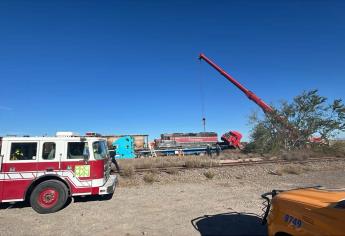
{"points": [[268, 110], [252, 96]]}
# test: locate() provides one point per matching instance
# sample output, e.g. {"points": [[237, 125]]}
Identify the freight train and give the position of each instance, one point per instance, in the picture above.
{"points": [[202, 139], [181, 140]]}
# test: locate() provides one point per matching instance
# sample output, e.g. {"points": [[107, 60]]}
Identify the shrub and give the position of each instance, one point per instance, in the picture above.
{"points": [[149, 178], [209, 174]]}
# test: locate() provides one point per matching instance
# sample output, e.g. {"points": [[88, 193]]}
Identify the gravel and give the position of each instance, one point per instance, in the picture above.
{"points": [[227, 204]]}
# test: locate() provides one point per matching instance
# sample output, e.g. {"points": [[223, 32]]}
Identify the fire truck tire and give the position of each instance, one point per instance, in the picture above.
{"points": [[49, 196]]}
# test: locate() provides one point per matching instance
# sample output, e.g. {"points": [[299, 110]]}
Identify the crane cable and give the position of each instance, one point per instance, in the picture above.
{"points": [[202, 96]]}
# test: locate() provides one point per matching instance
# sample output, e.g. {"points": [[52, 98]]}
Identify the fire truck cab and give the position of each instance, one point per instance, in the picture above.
{"points": [[46, 171]]}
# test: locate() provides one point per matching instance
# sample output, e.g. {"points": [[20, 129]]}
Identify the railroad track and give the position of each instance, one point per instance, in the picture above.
{"points": [[237, 163]]}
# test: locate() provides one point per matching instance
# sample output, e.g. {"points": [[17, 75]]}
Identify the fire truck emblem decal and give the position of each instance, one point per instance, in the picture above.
{"points": [[82, 171]]}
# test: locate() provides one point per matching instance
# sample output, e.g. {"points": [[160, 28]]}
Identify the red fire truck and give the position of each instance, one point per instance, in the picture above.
{"points": [[46, 171]]}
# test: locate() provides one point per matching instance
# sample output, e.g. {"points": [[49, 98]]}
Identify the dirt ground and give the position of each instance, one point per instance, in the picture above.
{"points": [[227, 204]]}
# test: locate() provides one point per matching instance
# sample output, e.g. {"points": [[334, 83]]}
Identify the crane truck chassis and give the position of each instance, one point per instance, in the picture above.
{"points": [[46, 171]]}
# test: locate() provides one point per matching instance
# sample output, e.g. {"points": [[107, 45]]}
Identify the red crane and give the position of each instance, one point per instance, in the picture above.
{"points": [[264, 106]]}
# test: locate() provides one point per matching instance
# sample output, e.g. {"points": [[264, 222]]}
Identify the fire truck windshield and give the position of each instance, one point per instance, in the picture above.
{"points": [[100, 150]]}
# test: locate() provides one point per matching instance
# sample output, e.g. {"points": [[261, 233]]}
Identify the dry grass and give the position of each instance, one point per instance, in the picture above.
{"points": [[198, 162], [290, 169], [150, 178], [128, 182], [172, 171], [193, 163], [298, 155], [154, 171], [153, 162], [276, 172], [128, 171], [209, 174], [336, 148], [170, 161], [233, 154], [294, 170]]}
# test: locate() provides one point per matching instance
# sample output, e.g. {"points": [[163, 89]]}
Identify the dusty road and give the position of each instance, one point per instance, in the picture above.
{"points": [[169, 206]]}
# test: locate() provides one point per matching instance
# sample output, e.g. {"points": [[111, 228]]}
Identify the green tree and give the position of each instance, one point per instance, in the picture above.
{"points": [[293, 124]]}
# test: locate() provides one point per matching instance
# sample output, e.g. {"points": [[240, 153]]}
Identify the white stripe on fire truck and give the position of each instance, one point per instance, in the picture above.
{"points": [[31, 175], [81, 194], [14, 176], [27, 175], [12, 200]]}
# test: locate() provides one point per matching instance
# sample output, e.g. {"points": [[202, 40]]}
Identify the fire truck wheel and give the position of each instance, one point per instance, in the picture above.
{"points": [[49, 196]]}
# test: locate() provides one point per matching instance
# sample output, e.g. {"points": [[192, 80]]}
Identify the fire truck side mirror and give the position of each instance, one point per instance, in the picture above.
{"points": [[86, 158], [86, 155]]}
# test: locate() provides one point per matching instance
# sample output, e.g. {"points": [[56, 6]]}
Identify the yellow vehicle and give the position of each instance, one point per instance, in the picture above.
{"points": [[305, 211]]}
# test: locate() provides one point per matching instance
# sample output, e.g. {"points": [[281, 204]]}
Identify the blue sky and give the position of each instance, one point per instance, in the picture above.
{"points": [[131, 66]]}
